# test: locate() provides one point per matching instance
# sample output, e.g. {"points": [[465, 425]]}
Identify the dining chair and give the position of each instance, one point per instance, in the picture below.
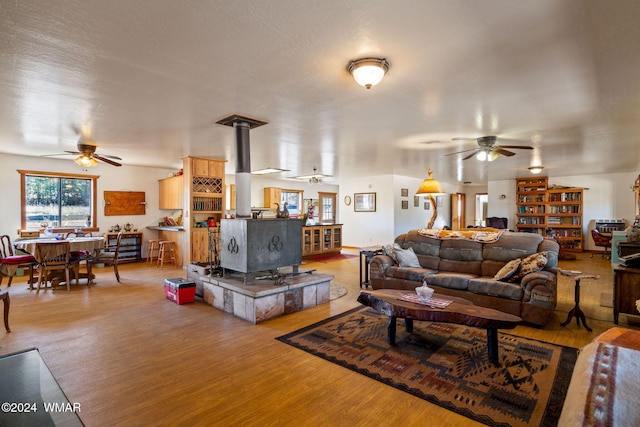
{"points": [[55, 257], [80, 256], [107, 256], [72, 234], [10, 261]]}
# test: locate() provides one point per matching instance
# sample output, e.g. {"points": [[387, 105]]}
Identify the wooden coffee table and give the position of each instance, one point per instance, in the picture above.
{"points": [[460, 311]]}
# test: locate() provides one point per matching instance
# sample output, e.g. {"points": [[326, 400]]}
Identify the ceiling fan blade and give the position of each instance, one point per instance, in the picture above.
{"points": [[102, 159], [458, 152], [471, 155], [500, 150], [55, 155], [461, 138], [110, 157], [521, 147], [72, 152]]}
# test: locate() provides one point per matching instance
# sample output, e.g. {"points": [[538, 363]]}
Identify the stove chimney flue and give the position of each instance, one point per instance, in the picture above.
{"points": [[241, 126]]}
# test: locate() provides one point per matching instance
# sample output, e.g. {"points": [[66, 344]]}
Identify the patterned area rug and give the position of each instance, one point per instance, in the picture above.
{"points": [[447, 365]]}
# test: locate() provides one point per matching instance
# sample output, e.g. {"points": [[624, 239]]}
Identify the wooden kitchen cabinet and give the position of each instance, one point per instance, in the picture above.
{"points": [[207, 167], [200, 243], [170, 193], [272, 195]]}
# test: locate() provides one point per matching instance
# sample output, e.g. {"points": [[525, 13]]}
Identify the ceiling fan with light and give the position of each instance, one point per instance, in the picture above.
{"points": [[487, 150], [87, 156]]}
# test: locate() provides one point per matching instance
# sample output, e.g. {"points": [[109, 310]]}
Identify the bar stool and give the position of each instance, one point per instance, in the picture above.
{"points": [[153, 248], [166, 249], [576, 311]]}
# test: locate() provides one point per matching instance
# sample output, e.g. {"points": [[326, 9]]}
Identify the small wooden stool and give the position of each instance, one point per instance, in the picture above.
{"points": [[576, 311], [166, 250], [4, 296], [153, 248]]}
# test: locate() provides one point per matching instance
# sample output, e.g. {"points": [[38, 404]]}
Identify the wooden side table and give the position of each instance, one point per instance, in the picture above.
{"points": [[576, 311], [626, 290]]}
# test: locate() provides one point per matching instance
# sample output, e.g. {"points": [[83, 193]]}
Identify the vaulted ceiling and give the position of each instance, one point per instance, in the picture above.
{"points": [[148, 79]]}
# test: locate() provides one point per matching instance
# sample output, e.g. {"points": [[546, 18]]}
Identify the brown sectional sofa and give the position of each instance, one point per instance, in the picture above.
{"points": [[466, 268]]}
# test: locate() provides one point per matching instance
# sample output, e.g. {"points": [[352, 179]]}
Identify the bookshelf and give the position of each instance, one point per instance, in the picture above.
{"points": [[564, 217], [550, 211], [531, 204]]}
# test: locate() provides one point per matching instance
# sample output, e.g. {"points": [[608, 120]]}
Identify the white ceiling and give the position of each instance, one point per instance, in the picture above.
{"points": [[149, 78]]}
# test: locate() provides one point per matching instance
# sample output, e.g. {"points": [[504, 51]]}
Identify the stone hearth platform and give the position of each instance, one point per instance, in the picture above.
{"points": [[260, 299]]}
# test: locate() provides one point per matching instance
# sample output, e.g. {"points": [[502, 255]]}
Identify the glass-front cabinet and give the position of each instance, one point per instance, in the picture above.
{"points": [[321, 239]]}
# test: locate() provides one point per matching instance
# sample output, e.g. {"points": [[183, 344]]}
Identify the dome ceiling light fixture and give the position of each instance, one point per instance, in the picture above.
{"points": [[368, 72], [535, 169]]}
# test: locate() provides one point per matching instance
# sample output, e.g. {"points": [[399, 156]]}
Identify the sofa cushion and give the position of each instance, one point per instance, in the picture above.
{"points": [[531, 264], [508, 270], [511, 246], [496, 288], [421, 245], [450, 280], [409, 273], [406, 257]]}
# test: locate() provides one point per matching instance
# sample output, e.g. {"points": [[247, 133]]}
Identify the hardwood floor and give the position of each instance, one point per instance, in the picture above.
{"points": [[131, 357]]}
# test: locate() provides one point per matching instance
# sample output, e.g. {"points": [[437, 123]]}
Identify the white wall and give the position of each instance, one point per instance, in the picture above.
{"points": [[124, 178], [363, 229]]}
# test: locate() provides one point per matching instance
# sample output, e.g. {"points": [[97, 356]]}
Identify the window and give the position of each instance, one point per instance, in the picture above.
{"points": [[293, 198], [60, 201], [327, 207]]}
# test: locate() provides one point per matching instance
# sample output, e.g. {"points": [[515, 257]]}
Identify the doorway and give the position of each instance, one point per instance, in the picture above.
{"points": [[458, 211], [482, 201]]}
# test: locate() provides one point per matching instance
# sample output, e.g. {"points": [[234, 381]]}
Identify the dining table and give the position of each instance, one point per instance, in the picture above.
{"points": [[90, 244]]}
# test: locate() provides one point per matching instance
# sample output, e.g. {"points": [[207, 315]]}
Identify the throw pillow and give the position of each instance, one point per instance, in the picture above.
{"points": [[406, 257], [508, 270], [530, 264], [388, 251]]}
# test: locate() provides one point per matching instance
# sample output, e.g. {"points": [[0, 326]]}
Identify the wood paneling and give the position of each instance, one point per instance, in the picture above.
{"points": [[124, 203]]}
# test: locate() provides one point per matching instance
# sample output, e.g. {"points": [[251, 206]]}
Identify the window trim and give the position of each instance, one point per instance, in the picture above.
{"points": [[94, 192]]}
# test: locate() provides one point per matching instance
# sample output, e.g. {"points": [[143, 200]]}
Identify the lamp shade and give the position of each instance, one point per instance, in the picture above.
{"points": [[430, 185], [368, 72], [86, 161]]}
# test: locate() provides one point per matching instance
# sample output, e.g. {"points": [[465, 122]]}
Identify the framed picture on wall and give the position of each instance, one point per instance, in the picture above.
{"points": [[405, 204], [426, 205], [364, 202], [404, 192], [416, 201], [439, 200]]}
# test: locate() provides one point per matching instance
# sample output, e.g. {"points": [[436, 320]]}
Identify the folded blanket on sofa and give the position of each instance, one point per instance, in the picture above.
{"points": [[485, 235]]}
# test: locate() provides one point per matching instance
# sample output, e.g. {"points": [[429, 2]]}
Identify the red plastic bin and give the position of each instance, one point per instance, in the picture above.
{"points": [[179, 290]]}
